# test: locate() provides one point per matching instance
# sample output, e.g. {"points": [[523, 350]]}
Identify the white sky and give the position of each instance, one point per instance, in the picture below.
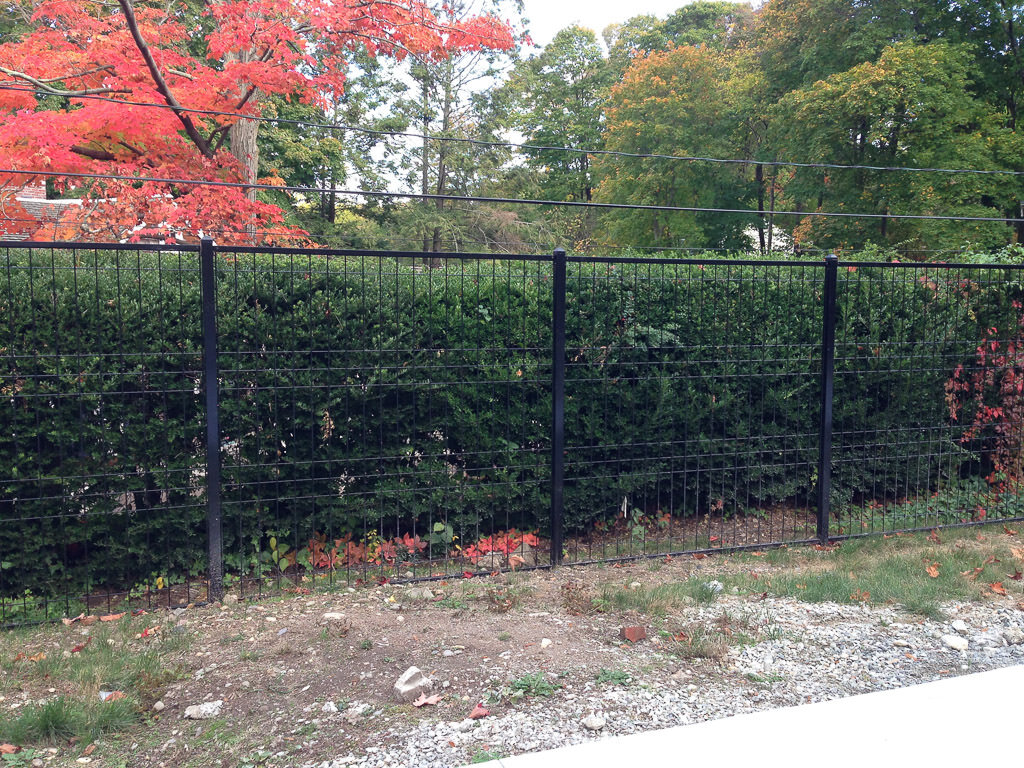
{"points": [[547, 17]]}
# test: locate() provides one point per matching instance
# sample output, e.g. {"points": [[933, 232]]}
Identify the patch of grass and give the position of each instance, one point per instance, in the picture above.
{"points": [[658, 600], [484, 756], [453, 603], [614, 676], [63, 718], [365, 645], [504, 636], [698, 641], [250, 656], [534, 684]]}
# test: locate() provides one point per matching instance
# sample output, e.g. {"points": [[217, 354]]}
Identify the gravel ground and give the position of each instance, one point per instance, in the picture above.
{"points": [[801, 653]]}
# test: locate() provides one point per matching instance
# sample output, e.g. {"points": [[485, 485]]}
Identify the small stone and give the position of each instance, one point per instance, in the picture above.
{"points": [[593, 722], [715, 587], [635, 585], [955, 642], [332, 616], [159, 706], [38, 762], [419, 593], [411, 684], [230, 599], [901, 643], [1013, 636], [206, 711], [959, 626], [329, 708], [464, 726], [545, 643], [283, 631], [633, 634]]}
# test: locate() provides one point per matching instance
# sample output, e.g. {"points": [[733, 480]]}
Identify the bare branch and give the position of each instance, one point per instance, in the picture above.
{"points": [[43, 86]]}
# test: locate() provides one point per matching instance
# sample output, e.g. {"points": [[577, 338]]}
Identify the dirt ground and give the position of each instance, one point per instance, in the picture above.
{"points": [[286, 669]]}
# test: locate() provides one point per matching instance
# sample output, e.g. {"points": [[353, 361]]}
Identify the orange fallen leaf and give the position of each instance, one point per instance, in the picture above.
{"points": [[699, 556], [424, 700], [980, 537], [972, 574], [20, 657], [861, 596], [111, 617], [88, 750], [88, 620], [934, 537], [515, 560], [1009, 531], [38, 657], [478, 712], [9, 749], [68, 622], [1017, 552], [991, 559], [757, 554], [933, 570], [997, 587], [115, 695]]}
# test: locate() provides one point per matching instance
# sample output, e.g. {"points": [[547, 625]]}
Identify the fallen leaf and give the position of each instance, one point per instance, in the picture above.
{"points": [[997, 587], [1017, 552], [1016, 575], [934, 537], [8, 749], [991, 559], [699, 556], [88, 750], [972, 574], [114, 696], [424, 699], [478, 712], [149, 631], [515, 560], [19, 657], [88, 620], [38, 657], [69, 622], [757, 554], [111, 617], [714, 538], [680, 637], [467, 575], [933, 570], [78, 648], [861, 596], [980, 537], [1009, 531]]}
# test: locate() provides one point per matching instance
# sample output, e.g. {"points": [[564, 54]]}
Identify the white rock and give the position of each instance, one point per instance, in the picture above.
{"points": [[955, 642], [714, 586], [635, 585], [329, 708], [1013, 636], [158, 707], [959, 626], [545, 642], [593, 722], [205, 711], [419, 593], [464, 726], [411, 684]]}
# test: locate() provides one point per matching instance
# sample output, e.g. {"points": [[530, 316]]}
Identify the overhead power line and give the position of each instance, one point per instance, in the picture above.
{"points": [[537, 147], [508, 200]]}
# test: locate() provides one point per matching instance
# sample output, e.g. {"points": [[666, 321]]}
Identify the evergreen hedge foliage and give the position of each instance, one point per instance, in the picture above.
{"points": [[362, 394]]}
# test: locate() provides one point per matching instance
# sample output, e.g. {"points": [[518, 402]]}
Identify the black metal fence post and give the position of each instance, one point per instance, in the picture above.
{"points": [[215, 542], [828, 344], [557, 404]]}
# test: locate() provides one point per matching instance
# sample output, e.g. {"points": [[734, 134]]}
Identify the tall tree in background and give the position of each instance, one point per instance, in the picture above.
{"points": [[145, 52], [914, 107], [678, 102]]}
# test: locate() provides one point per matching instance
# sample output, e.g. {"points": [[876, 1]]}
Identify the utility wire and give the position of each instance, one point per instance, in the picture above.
{"points": [[509, 200], [534, 147]]}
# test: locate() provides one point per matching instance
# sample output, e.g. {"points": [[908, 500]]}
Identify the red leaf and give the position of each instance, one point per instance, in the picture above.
{"points": [[1016, 576], [78, 648], [478, 712], [934, 537], [1009, 531], [467, 575], [997, 587]]}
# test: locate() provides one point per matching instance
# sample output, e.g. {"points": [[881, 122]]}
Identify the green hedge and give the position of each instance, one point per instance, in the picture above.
{"points": [[363, 394]]}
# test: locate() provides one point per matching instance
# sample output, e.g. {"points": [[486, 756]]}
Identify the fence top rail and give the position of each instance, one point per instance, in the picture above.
{"points": [[59, 245], [476, 256]]}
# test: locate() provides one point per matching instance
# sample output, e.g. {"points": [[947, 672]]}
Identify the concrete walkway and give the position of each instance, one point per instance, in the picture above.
{"points": [[961, 721]]}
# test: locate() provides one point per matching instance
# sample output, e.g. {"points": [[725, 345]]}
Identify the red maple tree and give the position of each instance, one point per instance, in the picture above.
{"points": [[146, 52]]}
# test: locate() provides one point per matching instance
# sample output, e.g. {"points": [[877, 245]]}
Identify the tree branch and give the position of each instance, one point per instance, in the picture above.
{"points": [[158, 79], [42, 84]]}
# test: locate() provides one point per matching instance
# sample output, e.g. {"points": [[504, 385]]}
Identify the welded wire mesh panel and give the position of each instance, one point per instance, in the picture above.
{"points": [[928, 406], [692, 405], [101, 491], [382, 417]]}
